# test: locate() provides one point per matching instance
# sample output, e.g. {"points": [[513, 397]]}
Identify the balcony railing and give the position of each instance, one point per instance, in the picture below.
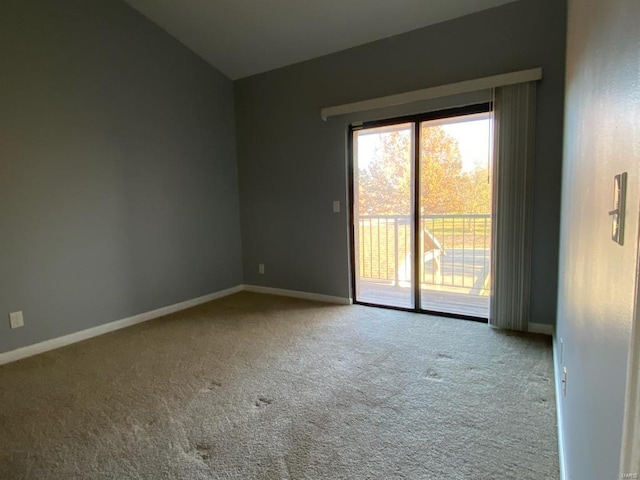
{"points": [[455, 250]]}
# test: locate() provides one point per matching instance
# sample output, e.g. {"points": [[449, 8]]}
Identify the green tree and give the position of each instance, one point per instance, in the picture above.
{"points": [[477, 191], [385, 184], [441, 188]]}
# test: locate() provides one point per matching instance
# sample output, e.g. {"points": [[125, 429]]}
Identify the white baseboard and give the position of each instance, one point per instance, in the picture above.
{"points": [[557, 370], [542, 328], [47, 345], [297, 294]]}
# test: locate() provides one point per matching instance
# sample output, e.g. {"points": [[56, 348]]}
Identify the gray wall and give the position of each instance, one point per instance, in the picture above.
{"points": [[597, 276], [118, 176], [292, 165]]}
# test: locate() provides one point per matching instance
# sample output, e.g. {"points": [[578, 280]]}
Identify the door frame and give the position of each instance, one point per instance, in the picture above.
{"points": [[417, 120]]}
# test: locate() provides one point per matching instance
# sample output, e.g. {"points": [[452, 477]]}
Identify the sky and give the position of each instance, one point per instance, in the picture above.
{"points": [[473, 135]]}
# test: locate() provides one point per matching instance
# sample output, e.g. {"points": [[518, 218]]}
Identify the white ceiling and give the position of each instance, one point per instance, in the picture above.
{"points": [[245, 37]]}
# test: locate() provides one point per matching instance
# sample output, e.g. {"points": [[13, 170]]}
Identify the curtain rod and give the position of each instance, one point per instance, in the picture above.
{"points": [[467, 86]]}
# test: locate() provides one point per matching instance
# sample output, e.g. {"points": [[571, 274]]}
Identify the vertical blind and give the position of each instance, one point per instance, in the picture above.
{"points": [[514, 140]]}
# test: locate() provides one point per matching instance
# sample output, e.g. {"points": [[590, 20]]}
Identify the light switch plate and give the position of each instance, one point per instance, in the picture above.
{"points": [[618, 212], [16, 319], [336, 206]]}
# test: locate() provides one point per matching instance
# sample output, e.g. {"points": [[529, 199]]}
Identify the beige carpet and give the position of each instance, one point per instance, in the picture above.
{"points": [[260, 387]]}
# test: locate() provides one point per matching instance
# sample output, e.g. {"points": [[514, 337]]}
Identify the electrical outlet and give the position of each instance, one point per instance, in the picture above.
{"points": [[261, 268], [564, 381], [16, 319]]}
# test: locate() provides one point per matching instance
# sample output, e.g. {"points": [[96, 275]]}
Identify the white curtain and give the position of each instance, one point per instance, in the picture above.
{"points": [[514, 139]]}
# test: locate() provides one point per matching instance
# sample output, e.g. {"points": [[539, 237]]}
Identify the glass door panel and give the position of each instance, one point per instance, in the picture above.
{"points": [[455, 214], [383, 191]]}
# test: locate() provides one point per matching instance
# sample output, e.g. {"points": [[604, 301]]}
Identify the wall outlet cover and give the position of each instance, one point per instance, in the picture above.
{"points": [[16, 319]]}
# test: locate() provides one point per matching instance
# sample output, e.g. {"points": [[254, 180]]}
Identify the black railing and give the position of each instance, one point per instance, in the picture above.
{"points": [[455, 249]]}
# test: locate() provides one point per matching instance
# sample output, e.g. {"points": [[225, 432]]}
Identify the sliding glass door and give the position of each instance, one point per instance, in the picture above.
{"points": [[421, 212]]}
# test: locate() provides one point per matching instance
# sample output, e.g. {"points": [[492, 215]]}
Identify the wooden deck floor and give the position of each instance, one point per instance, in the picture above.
{"points": [[434, 299]]}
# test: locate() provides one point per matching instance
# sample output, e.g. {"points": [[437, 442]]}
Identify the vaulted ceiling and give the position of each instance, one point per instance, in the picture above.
{"points": [[245, 37]]}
